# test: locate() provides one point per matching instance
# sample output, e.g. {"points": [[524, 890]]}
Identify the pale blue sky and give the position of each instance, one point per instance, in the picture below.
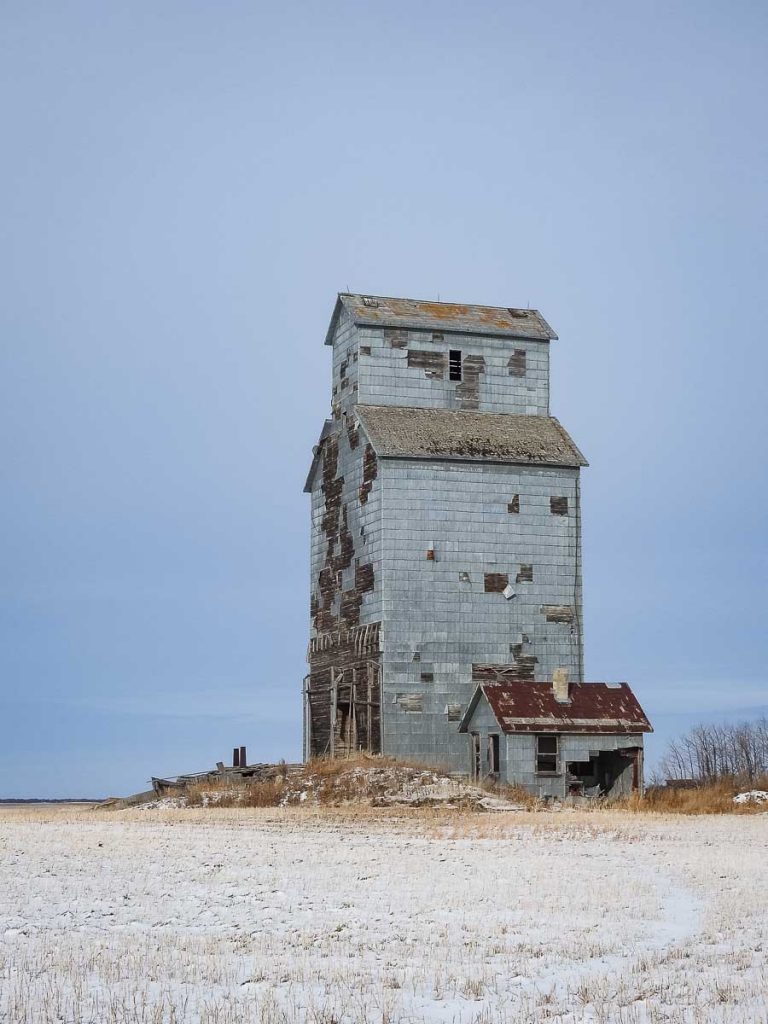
{"points": [[185, 187]]}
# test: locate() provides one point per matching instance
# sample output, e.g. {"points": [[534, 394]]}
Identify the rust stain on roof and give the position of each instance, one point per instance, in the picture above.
{"points": [[464, 318], [531, 706]]}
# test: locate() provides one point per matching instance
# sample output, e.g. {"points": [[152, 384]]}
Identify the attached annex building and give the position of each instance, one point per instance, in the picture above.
{"points": [[446, 542]]}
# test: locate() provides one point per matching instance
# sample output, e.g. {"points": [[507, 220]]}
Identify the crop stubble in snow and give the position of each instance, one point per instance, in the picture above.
{"points": [[227, 917]]}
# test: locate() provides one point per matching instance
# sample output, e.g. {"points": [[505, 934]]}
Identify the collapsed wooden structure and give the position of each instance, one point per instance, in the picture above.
{"points": [[240, 770]]}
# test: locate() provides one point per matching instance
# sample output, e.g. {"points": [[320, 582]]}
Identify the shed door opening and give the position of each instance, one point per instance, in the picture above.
{"points": [[493, 754], [454, 364]]}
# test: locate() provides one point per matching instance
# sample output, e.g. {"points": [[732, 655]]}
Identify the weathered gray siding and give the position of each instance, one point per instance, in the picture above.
{"points": [[521, 760], [411, 368], [345, 561], [485, 724], [373, 521], [441, 612]]}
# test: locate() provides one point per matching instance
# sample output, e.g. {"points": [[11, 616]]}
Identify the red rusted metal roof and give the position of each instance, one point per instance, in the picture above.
{"points": [[591, 708]]}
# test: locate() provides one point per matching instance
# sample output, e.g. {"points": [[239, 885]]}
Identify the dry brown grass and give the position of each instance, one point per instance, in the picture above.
{"points": [[240, 794], [360, 778], [515, 794], [715, 798]]}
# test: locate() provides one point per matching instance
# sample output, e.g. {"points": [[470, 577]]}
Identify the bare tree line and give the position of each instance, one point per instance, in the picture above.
{"points": [[712, 752]]}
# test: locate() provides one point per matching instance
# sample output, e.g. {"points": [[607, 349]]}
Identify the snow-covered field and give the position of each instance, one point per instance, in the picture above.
{"points": [[228, 917]]}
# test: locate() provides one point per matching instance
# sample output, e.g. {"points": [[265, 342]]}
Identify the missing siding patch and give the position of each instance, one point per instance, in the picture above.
{"points": [[411, 702], [364, 578], [495, 582], [514, 505], [416, 657], [557, 612], [524, 574], [516, 364], [433, 363], [396, 338], [464, 577], [365, 350], [558, 506], [468, 392], [370, 469]]}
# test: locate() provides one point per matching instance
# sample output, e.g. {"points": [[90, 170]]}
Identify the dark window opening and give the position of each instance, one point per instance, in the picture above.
{"points": [[493, 754], [514, 505], [558, 506], [454, 364], [546, 754]]}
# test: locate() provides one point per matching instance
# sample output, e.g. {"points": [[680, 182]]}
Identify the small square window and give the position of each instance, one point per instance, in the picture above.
{"points": [[558, 506], [454, 364], [546, 754]]}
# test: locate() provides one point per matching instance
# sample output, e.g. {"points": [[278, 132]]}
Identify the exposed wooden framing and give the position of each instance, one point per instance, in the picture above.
{"points": [[334, 708]]}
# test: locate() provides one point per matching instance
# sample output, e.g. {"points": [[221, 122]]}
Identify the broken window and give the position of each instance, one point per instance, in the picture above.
{"points": [[525, 574], [546, 754], [558, 506], [493, 754], [454, 364]]}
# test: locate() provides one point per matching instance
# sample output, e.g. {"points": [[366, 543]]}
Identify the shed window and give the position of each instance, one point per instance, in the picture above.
{"points": [[546, 754], [454, 364], [493, 754]]}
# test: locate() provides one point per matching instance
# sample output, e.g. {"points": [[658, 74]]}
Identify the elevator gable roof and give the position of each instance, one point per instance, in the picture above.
{"points": [[420, 314], [400, 432]]}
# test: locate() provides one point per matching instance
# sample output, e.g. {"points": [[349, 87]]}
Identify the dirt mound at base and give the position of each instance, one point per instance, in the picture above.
{"points": [[372, 781]]}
